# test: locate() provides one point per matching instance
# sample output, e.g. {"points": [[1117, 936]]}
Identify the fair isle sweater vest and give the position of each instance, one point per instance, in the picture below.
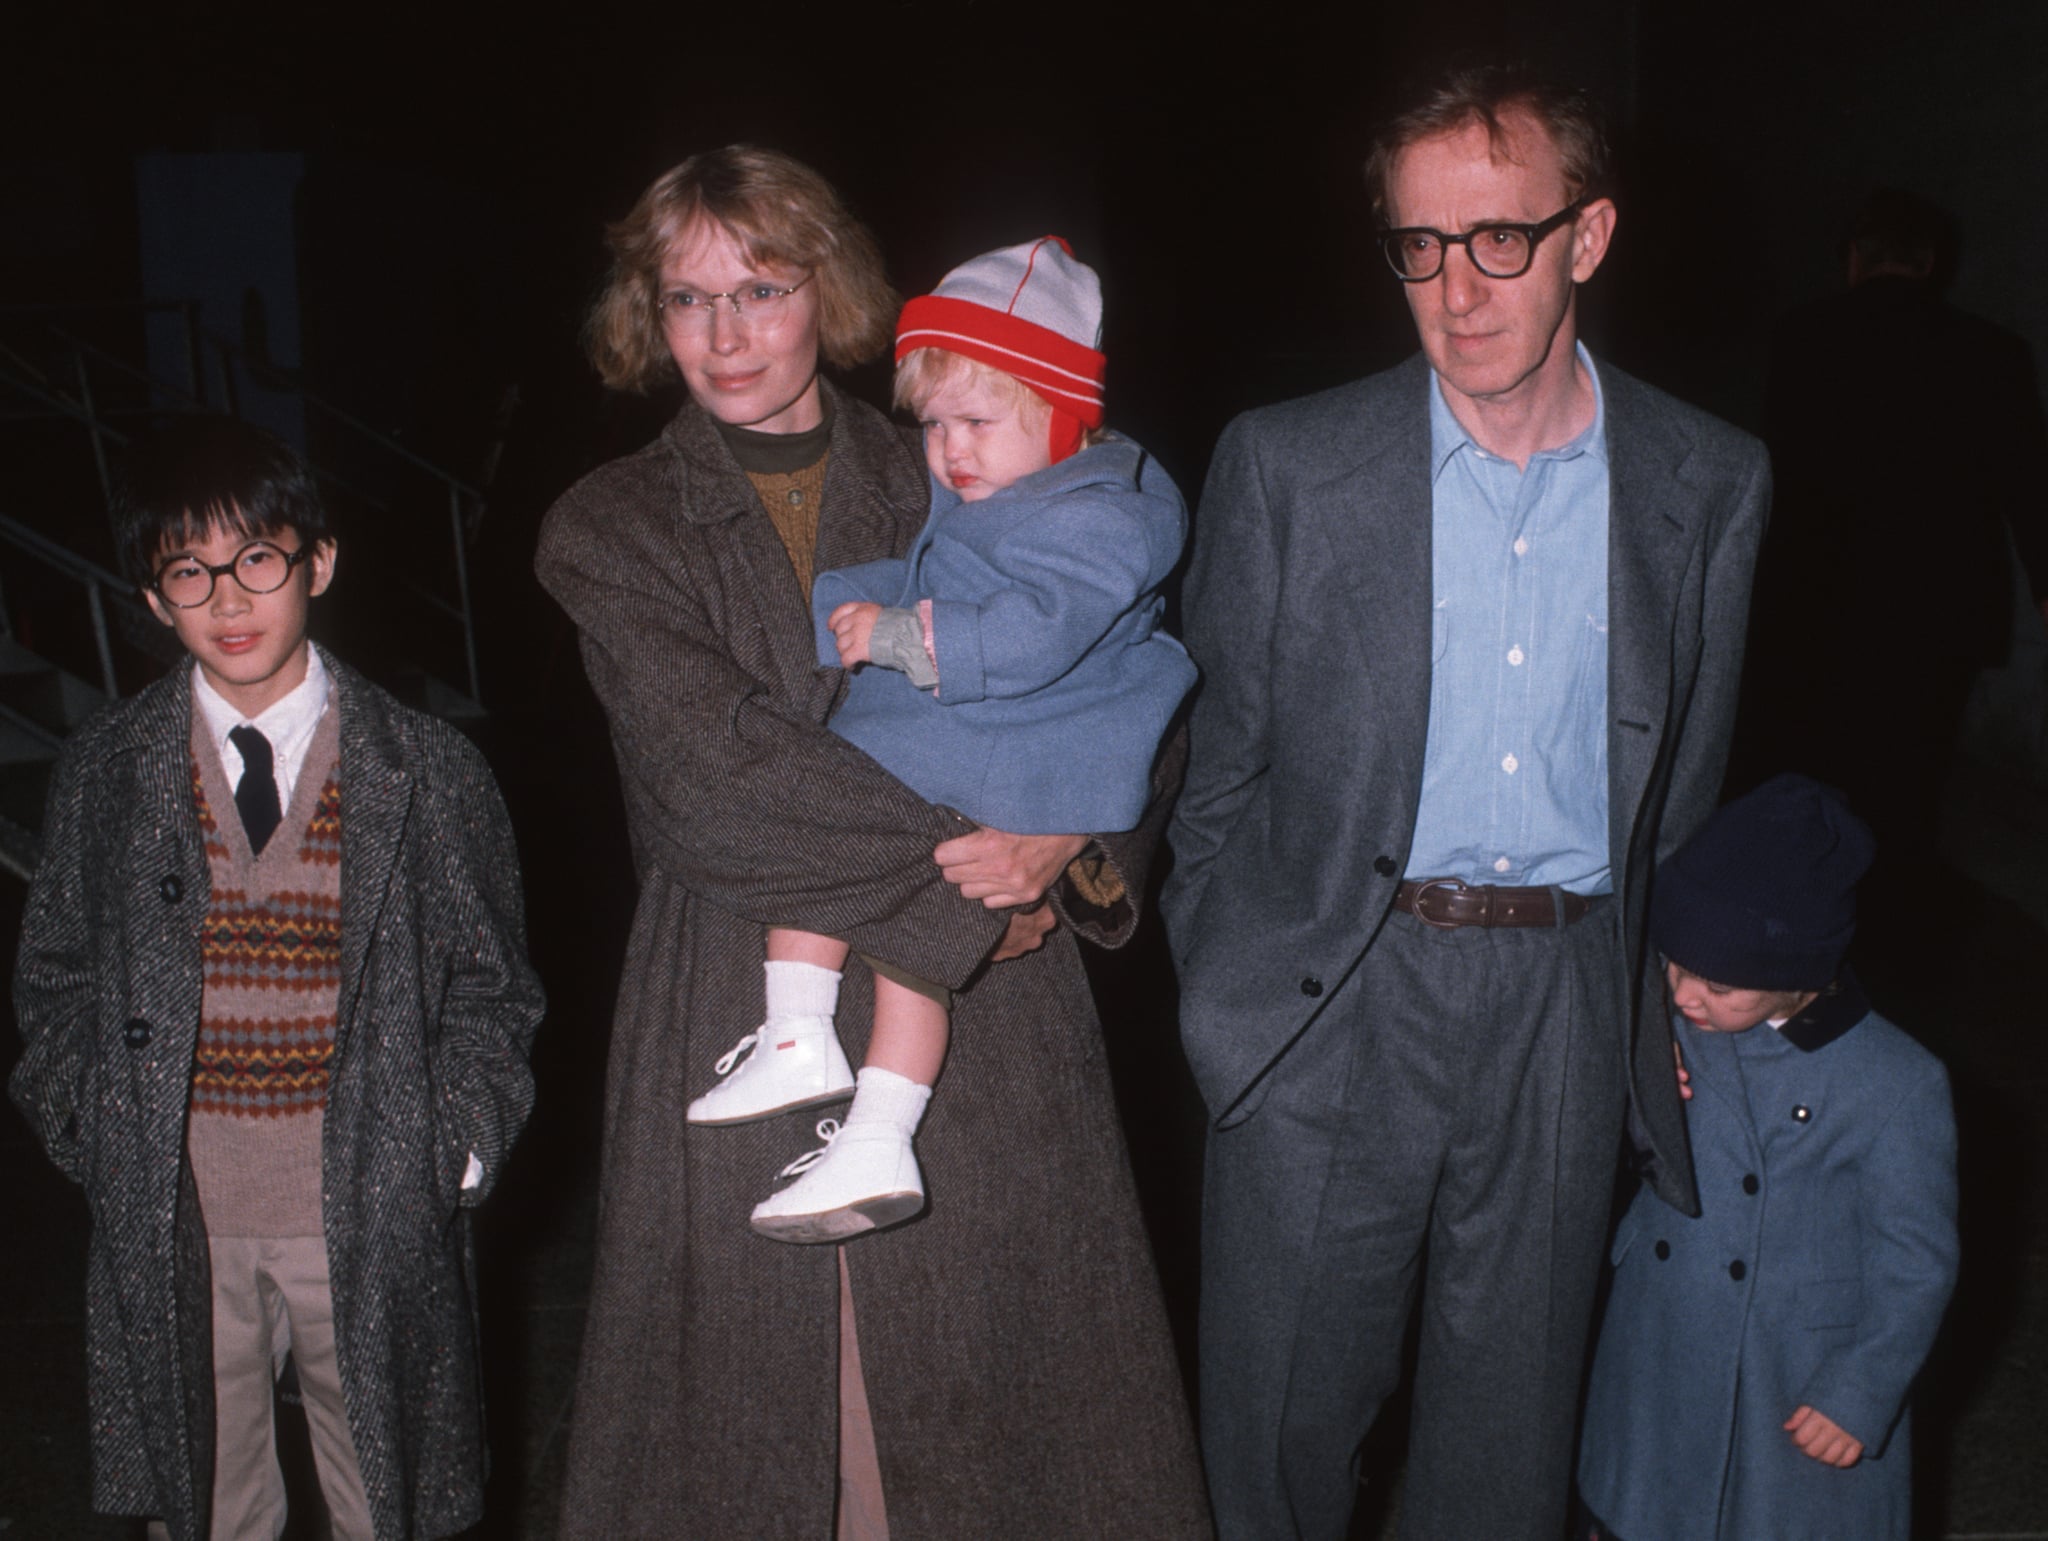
{"points": [[271, 951]]}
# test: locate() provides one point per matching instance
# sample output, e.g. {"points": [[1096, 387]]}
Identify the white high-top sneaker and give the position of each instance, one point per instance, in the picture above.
{"points": [[864, 1178], [796, 1063]]}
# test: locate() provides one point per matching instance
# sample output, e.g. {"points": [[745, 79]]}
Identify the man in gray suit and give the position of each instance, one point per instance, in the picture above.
{"points": [[1470, 633]]}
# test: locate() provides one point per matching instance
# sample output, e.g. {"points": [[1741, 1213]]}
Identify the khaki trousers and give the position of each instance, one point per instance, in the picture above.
{"points": [[270, 1297]]}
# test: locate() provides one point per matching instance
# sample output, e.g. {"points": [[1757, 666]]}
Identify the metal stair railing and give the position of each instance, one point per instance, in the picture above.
{"points": [[99, 584], [80, 404]]}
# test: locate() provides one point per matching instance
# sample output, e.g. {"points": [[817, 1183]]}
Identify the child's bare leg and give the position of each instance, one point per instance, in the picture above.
{"points": [[795, 1059], [911, 1033], [790, 946]]}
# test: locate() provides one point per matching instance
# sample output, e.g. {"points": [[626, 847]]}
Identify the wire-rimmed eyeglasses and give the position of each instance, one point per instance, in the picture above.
{"points": [[1498, 249], [760, 302], [259, 567]]}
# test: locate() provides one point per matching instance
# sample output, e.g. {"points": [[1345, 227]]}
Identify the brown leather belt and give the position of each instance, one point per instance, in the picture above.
{"points": [[1448, 903]]}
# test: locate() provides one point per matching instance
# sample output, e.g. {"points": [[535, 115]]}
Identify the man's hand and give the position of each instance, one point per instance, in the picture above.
{"points": [[1818, 1435], [1003, 870], [1027, 933], [852, 625]]}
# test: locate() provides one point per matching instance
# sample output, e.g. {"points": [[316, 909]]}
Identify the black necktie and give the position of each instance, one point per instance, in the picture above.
{"points": [[256, 797]]}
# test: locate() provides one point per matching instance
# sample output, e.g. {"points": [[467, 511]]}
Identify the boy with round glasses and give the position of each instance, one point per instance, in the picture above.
{"points": [[276, 1006], [1011, 666]]}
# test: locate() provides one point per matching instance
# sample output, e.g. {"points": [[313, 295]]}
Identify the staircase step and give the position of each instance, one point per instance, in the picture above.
{"points": [[42, 695]]}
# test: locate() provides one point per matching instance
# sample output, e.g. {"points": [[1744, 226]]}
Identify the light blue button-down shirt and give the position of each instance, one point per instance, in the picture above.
{"points": [[1514, 776]]}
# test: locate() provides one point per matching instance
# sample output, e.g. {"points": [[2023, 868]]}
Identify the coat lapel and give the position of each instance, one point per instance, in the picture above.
{"points": [[1651, 530], [857, 522], [1376, 527], [376, 797]]}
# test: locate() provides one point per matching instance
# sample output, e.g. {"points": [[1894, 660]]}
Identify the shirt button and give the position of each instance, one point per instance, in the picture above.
{"points": [[1521, 546], [1515, 656], [1663, 1251], [1750, 1184], [796, 497], [1736, 1271], [1311, 987], [1801, 1113], [1510, 765], [1500, 864]]}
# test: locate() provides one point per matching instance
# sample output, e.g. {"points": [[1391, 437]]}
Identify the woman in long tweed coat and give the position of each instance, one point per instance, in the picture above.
{"points": [[1011, 1343]]}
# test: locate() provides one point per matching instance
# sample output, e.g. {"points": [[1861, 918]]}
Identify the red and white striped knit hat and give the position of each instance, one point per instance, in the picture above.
{"points": [[1032, 311]]}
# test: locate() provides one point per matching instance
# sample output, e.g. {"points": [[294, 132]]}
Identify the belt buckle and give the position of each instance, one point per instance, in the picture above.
{"points": [[1455, 885]]}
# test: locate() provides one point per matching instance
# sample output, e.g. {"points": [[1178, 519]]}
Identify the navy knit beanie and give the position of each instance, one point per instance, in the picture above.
{"points": [[1763, 897]]}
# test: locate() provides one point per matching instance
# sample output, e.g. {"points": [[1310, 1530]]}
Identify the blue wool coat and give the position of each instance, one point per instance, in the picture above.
{"points": [[1055, 682], [1815, 1275]]}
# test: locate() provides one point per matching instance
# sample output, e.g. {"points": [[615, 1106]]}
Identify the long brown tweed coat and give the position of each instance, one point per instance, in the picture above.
{"points": [[1012, 1339], [438, 1008]]}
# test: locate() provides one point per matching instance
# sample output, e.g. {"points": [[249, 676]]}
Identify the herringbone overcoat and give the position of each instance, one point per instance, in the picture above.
{"points": [[1014, 1345], [438, 1008]]}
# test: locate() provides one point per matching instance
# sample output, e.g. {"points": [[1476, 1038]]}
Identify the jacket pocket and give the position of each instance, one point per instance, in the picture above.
{"points": [[1822, 1303]]}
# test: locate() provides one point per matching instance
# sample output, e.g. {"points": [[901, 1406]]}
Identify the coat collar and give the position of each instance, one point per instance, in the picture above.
{"points": [[719, 489], [377, 790], [1828, 1016], [872, 500]]}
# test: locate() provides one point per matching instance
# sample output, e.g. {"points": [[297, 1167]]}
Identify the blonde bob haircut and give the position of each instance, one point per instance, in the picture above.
{"points": [[782, 214], [923, 372]]}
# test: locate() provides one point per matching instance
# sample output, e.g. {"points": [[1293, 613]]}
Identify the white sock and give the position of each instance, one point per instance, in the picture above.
{"points": [[801, 990], [884, 1097]]}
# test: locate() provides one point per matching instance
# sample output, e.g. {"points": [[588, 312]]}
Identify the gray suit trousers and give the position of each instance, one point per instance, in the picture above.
{"points": [[1450, 1121]]}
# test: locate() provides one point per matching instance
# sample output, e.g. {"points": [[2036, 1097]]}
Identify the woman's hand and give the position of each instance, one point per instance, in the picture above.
{"points": [[853, 626], [1003, 870], [1027, 932]]}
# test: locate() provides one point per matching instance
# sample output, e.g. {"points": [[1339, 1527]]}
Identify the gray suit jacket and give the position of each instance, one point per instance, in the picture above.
{"points": [[1308, 610]]}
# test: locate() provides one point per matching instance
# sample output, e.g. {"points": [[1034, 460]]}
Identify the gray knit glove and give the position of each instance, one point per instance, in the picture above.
{"points": [[898, 643]]}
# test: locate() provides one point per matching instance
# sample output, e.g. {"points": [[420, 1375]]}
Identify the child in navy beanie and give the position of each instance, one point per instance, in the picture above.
{"points": [[1752, 1372]]}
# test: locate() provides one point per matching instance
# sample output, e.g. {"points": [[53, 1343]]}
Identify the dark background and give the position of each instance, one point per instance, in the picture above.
{"points": [[461, 161]]}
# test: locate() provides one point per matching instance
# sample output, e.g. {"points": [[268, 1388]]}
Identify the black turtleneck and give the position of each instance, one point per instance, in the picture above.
{"points": [[779, 454]]}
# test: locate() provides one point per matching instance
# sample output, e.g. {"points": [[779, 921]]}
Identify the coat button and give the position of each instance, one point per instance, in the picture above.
{"points": [[1311, 987], [1736, 1270], [1383, 865], [171, 887], [1663, 1251], [136, 1033], [1749, 1183]]}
